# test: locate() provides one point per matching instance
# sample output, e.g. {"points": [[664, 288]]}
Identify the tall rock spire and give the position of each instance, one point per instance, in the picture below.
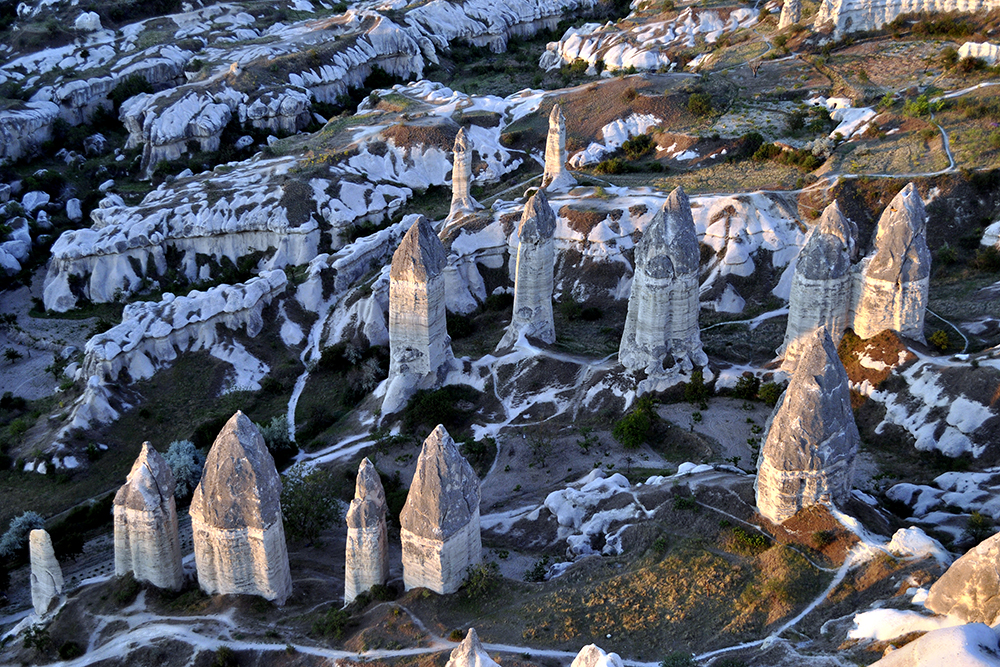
{"points": [[556, 177], [462, 202], [791, 13], [46, 575], [367, 539]]}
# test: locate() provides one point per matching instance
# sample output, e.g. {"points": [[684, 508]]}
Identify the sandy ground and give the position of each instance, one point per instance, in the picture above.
{"points": [[725, 421]]}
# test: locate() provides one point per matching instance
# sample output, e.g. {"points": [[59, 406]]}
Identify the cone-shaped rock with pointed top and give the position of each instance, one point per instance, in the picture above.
{"points": [[811, 439], [890, 289], [821, 285], [470, 653], [661, 328], [46, 575], [970, 588], [146, 539], [239, 539], [367, 539], [419, 346], [592, 655], [534, 275], [556, 177], [791, 13], [462, 202], [439, 524]]}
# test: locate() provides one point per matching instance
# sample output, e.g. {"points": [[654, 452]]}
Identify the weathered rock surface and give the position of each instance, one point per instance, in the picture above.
{"points": [[594, 656], [891, 284], [821, 285], [811, 439], [146, 538], [970, 589], [46, 575], [419, 346], [239, 540], [661, 336], [791, 13], [852, 15], [972, 645], [985, 51], [462, 202], [991, 235], [439, 524], [23, 126], [470, 653], [532, 314], [367, 540], [556, 176]]}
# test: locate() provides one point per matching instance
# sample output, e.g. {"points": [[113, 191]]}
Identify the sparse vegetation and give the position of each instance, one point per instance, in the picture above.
{"points": [[308, 506], [633, 429]]}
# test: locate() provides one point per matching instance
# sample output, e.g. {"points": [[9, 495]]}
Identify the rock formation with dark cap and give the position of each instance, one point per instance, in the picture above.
{"points": [[367, 555]]}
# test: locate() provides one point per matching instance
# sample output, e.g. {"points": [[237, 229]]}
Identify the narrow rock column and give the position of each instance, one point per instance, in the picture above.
{"points": [[470, 653], [439, 524], [534, 278], [46, 575], [891, 286], [811, 439], [791, 13], [367, 555], [419, 346], [146, 539], [239, 539], [462, 202], [556, 177]]}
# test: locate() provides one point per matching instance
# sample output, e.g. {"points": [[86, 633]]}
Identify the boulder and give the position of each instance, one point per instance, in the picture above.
{"points": [[594, 656], [988, 53], [972, 645], [88, 22], [556, 177], [970, 588], [46, 575], [367, 555], [470, 653]]}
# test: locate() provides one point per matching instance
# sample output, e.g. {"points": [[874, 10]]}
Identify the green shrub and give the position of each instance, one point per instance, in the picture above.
{"points": [[637, 146], [700, 104], [450, 405], [70, 650], [127, 88], [695, 391], [987, 259], [482, 579], [308, 505], [678, 659], [333, 624], [939, 339], [747, 387], [224, 657], [823, 538], [946, 254], [279, 443], [633, 429], [978, 528], [16, 537], [770, 392], [537, 572], [612, 165]]}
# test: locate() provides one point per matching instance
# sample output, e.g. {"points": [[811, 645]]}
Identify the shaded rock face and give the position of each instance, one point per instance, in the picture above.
{"points": [[26, 126], [470, 653], [439, 524], [239, 540], [556, 177], [890, 290], [661, 336], [462, 202], [533, 279], [791, 13], [811, 439], [46, 575], [367, 540], [594, 656], [146, 539], [419, 346], [970, 589], [821, 285]]}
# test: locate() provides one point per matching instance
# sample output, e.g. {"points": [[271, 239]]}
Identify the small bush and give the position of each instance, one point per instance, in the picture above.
{"points": [[769, 392], [822, 538], [70, 650], [16, 537], [978, 528], [629, 95], [278, 442], [637, 146], [678, 659], [747, 387], [450, 405], [633, 429], [186, 463], [537, 572], [333, 624], [591, 314], [939, 339], [612, 165], [128, 88], [695, 391], [308, 506], [946, 254], [987, 259], [482, 579], [224, 657], [700, 104]]}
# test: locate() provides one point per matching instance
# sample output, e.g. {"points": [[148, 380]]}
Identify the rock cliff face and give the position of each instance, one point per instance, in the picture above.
{"points": [[985, 51], [419, 346], [439, 524], [46, 575], [239, 540], [470, 653], [891, 285], [661, 336], [556, 176], [821, 285], [970, 589], [462, 202], [811, 439], [532, 314], [367, 541], [791, 13], [23, 126], [146, 539], [851, 15]]}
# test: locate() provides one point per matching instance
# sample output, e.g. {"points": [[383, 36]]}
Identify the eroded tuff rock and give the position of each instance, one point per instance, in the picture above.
{"points": [[592, 655], [532, 314], [46, 575], [811, 439], [891, 285], [853, 15], [791, 13], [661, 336], [462, 202], [25, 126], [419, 346], [556, 176], [239, 540], [146, 539], [970, 589], [470, 653], [821, 285], [367, 541], [971, 645], [439, 524]]}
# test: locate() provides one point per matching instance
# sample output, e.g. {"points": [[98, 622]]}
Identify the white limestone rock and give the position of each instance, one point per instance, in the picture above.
{"points": [[146, 538], [791, 13], [24, 126], [991, 235], [891, 286], [439, 524], [532, 316], [556, 177], [367, 540], [470, 653], [971, 645], [462, 202], [970, 588], [88, 22], [46, 575], [74, 211], [239, 540], [852, 15], [288, 110], [985, 51], [811, 440], [594, 656]]}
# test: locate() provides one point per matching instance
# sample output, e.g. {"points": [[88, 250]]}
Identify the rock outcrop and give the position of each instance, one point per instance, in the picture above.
{"points": [[419, 346], [821, 285], [556, 177], [239, 540], [891, 285], [532, 316], [970, 645], [791, 13], [462, 202], [991, 235], [985, 51], [661, 336], [439, 524], [852, 15], [970, 589], [811, 440], [592, 655], [367, 552], [146, 538], [24, 126], [46, 575], [470, 653]]}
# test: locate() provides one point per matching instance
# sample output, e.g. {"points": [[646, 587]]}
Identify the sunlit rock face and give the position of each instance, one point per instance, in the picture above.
{"points": [[46, 575], [811, 439], [462, 202], [533, 279], [791, 13], [239, 540], [853, 15], [821, 285], [970, 589], [439, 524], [556, 178], [146, 539], [419, 346], [661, 336], [367, 541], [890, 290], [470, 653], [594, 656]]}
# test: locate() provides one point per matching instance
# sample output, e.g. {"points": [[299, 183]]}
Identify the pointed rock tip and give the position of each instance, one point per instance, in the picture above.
{"points": [[368, 484], [556, 115], [420, 255], [819, 355], [537, 220], [462, 141], [149, 483]]}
